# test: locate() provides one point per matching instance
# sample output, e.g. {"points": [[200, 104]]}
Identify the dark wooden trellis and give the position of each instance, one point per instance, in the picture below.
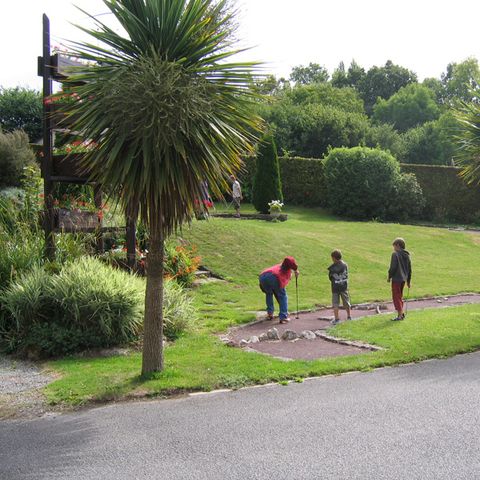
{"points": [[64, 169]]}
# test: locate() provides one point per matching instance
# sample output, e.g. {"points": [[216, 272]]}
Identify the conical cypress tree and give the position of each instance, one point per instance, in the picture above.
{"points": [[267, 185]]}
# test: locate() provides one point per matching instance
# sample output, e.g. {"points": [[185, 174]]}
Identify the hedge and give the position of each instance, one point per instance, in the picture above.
{"points": [[303, 180], [448, 198]]}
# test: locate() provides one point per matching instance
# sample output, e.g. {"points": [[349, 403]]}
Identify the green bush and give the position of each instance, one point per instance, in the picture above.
{"points": [[431, 143], [384, 136], [361, 182], [86, 305], [408, 202], [412, 105], [267, 185], [15, 155], [179, 313], [21, 109]]}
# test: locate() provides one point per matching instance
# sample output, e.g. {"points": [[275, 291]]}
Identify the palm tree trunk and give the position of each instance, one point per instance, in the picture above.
{"points": [[152, 359]]}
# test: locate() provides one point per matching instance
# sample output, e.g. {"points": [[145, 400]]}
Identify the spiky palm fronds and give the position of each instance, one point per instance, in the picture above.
{"points": [[165, 103], [468, 141]]}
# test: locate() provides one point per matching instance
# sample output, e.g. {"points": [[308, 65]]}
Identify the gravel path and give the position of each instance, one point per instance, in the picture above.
{"points": [[20, 388]]}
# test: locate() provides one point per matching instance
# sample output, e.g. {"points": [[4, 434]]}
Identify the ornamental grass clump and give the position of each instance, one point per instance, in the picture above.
{"points": [[86, 305]]}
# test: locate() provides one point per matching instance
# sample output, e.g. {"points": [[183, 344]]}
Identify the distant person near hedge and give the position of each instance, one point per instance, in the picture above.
{"points": [[273, 281], [237, 196], [338, 275], [399, 273]]}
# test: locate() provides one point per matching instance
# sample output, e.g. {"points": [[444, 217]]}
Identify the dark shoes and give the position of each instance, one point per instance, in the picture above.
{"points": [[399, 318]]}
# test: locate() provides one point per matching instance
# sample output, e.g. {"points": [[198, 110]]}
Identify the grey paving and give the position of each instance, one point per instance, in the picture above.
{"points": [[414, 422]]}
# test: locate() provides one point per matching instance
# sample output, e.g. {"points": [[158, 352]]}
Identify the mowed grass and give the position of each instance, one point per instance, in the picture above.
{"points": [[201, 362], [444, 263]]}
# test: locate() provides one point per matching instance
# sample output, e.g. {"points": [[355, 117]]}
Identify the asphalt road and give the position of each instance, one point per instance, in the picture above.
{"points": [[414, 422]]}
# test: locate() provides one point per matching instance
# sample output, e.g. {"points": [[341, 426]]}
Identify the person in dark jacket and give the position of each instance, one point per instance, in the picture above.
{"points": [[399, 273], [338, 275]]}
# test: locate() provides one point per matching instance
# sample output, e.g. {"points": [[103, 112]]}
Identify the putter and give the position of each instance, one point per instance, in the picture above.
{"points": [[296, 289], [406, 303]]}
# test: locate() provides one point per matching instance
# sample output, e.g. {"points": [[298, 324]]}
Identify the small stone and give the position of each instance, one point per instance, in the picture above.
{"points": [[446, 299], [319, 333], [263, 337], [253, 339], [289, 335], [272, 334], [243, 343], [308, 335], [439, 301]]}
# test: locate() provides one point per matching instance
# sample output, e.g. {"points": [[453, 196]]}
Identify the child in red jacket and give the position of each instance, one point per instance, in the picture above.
{"points": [[273, 281]]}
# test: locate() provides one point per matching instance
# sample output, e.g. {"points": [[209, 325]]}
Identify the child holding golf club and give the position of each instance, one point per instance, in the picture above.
{"points": [[338, 275], [273, 281], [399, 273]]}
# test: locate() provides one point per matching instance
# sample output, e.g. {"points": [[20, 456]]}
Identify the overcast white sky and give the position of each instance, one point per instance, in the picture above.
{"points": [[423, 35]]}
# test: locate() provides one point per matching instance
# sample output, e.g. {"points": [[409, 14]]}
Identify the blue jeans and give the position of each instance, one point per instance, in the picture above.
{"points": [[270, 286]]}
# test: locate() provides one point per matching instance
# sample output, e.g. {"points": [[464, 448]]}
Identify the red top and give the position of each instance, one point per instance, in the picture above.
{"points": [[284, 274]]}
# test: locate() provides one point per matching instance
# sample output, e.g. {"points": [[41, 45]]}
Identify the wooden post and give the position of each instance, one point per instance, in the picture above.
{"points": [[131, 243], [47, 145], [98, 198]]}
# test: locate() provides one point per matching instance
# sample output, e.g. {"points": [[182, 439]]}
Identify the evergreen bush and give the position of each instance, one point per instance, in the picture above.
{"points": [[15, 155], [267, 185], [366, 183]]}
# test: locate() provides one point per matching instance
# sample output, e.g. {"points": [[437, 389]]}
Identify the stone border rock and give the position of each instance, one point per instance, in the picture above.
{"points": [[273, 335]]}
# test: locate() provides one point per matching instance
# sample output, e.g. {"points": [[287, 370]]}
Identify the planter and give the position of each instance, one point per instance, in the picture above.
{"points": [[68, 166], [71, 220], [275, 215], [59, 118]]}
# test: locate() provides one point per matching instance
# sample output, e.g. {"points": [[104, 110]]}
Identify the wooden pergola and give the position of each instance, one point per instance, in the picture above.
{"points": [[65, 168]]}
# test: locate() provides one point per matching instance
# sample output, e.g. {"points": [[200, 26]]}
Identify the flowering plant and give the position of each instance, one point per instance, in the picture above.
{"points": [[181, 263], [62, 98], [78, 146], [275, 206], [78, 204]]}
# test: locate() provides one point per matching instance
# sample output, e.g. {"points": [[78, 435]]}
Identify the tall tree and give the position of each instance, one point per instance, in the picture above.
{"points": [[169, 108], [460, 81], [339, 76], [306, 75], [267, 185], [383, 82]]}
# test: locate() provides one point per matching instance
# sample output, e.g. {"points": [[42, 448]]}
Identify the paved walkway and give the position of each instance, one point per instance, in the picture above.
{"points": [[414, 422]]}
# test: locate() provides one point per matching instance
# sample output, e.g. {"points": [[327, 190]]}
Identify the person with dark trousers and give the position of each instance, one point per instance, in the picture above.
{"points": [[399, 273], [273, 281]]}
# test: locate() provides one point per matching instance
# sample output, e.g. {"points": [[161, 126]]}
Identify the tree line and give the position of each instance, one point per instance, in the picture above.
{"points": [[386, 107]]}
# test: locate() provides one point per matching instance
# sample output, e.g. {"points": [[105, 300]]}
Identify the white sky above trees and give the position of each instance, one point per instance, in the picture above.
{"points": [[422, 35]]}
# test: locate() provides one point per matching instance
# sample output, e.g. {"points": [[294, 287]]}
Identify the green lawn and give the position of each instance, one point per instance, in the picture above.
{"points": [[444, 263]]}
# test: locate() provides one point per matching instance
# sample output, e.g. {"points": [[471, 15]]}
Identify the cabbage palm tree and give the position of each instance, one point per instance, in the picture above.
{"points": [[168, 108], [468, 141]]}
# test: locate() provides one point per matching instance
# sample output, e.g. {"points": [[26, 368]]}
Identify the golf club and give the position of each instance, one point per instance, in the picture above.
{"points": [[406, 302], [296, 289]]}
